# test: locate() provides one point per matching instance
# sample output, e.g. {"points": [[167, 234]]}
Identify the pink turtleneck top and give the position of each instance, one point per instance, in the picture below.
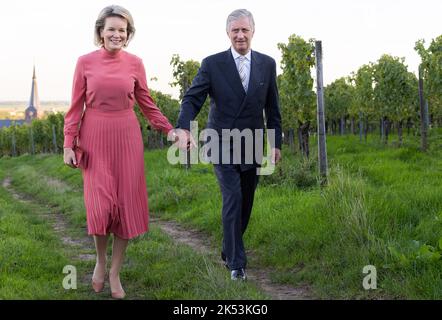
{"points": [[108, 82]]}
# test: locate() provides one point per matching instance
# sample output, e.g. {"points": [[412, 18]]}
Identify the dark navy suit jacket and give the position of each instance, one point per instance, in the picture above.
{"points": [[230, 106]]}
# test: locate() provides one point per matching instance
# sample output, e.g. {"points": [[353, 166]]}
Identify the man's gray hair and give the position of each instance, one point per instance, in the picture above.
{"points": [[237, 14]]}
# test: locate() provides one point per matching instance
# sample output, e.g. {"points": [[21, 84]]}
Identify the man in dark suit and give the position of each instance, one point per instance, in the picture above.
{"points": [[242, 87]]}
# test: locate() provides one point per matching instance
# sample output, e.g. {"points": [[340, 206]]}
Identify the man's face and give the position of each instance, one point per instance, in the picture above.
{"points": [[241, 34]]}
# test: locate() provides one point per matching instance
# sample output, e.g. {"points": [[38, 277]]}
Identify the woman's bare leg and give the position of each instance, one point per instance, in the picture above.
{"points": [[118, 251], [100, 266]]}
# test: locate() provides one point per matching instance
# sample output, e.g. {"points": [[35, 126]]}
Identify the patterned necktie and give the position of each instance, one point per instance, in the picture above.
{"points": [[242, 71]]}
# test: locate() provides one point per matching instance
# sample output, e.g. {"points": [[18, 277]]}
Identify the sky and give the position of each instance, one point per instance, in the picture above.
{"points": [[53, 34]]}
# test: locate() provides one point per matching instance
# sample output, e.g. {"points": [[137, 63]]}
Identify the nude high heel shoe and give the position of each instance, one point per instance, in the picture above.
{"points": [[118, 294], [97, 286]]}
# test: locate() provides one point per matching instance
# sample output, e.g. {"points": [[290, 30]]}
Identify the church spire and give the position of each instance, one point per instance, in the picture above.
{"points": [[32, 110]]}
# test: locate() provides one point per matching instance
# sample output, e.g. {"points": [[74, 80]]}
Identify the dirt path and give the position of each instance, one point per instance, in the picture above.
{"points": [[198, 241], [79, 248], [192, 238], [83, 245]]}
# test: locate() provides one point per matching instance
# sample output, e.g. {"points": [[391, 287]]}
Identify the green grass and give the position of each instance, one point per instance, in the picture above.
{"points": [[382, 207], [32, 256], [379, 199]]}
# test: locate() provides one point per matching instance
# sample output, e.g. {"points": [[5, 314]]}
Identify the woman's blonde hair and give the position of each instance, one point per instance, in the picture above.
{"points": [[113, 11]]}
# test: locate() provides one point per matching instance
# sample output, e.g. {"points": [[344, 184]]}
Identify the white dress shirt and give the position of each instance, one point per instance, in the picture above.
{"points": [[247, 63]]}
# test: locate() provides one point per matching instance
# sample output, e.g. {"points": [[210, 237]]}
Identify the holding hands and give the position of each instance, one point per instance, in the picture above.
{"points": [[183, 139]]}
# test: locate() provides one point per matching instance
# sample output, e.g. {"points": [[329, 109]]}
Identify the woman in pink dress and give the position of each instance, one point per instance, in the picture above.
{"points": [[106, 84]]}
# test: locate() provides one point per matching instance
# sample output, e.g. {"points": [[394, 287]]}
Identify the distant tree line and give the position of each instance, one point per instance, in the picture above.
{"points": [[46, 135], [379, 95]]}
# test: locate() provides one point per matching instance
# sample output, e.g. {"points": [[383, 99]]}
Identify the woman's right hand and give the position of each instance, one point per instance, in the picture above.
{"points": [[69, 158]]}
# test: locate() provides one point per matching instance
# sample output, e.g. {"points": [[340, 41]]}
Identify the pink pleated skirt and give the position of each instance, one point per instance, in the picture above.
{"points": [[115, 193]]}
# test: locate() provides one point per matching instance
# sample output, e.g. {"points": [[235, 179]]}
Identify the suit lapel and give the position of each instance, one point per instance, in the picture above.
{"points": [[255, 74], [230, 72], [254, 80]]}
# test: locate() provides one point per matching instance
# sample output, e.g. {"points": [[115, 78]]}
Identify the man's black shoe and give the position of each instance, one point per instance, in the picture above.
{"points": [[238, 274]]}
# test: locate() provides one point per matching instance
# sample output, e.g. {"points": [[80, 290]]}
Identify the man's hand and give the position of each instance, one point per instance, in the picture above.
{"points": [[69, 158], [184, 139], [276, 155]]}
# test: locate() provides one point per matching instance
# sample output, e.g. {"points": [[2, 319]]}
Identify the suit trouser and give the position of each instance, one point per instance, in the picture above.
{"points": [[238, 190]]}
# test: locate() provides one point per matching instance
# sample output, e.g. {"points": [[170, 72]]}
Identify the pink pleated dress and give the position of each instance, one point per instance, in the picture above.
{"points": [[104, 91]]}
